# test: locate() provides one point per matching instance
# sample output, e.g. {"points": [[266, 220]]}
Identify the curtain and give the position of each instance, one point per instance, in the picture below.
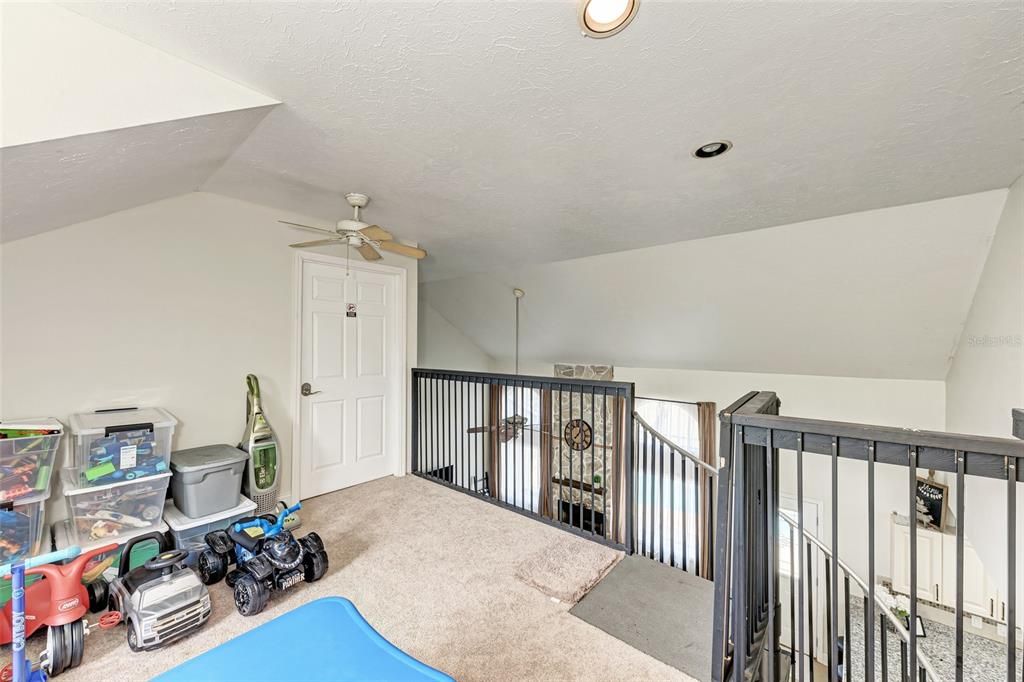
{"points": [[619, 456], [546, 453], [707, 423]]}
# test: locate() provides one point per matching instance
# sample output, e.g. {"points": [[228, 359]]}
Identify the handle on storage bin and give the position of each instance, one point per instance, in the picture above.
{"points": [[126, 553], [123, 428]]}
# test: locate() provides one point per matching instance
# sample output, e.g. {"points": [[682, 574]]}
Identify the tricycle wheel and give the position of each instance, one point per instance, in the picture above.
{"points": [[56, 661], [75, 634], [314, 565], [250, 595], [98, 594], [212, 566]]}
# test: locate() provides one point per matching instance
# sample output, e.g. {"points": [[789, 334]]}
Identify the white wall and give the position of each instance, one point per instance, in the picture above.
{"points": [[443, 346], [169, 304], [55, 62], [986, 378]]}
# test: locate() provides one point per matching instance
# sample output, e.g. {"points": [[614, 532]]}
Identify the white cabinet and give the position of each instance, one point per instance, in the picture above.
{"points": [[980, 594], [936, 572], [929, 562]]}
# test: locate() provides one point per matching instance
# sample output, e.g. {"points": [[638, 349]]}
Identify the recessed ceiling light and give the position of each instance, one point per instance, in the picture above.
{"points": [[716, 148], [603, 18]]}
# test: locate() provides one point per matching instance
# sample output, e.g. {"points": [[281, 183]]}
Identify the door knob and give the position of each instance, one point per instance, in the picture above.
{"points": [[307, 390]]}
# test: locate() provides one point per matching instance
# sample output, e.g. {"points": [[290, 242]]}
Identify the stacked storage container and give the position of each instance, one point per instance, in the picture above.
{"points": [[117, 473], [206, 487], [27, 452]]}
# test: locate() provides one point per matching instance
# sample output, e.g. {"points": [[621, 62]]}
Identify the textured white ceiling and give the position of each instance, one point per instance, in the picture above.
{"points": [[494, 134], [881, 293], [50, 184]]}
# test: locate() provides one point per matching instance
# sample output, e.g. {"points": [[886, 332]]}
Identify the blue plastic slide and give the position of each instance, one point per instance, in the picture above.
{"points": [[326, 639]]}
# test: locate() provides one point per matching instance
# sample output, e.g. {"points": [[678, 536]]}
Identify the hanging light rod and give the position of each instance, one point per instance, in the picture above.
{"points": [[518, 293]]}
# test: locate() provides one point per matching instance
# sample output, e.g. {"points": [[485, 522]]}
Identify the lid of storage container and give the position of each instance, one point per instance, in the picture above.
{"points": [[73, 487], [32, 424], [206, 457], [62, 536], [178, 521], [91, 423]]}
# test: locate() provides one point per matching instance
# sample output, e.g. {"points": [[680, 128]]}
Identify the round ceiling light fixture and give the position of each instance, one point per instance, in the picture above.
{"points": [[716, 148], [603, 18]]}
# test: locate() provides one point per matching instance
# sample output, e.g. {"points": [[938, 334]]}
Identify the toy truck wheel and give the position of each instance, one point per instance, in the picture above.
{"points": [[98, 594], [314, 565], [250, 595], [212, 567], [56, 661], [133, 639]]}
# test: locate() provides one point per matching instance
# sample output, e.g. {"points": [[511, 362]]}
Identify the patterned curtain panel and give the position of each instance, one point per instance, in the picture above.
{"points": [[707, 424]]}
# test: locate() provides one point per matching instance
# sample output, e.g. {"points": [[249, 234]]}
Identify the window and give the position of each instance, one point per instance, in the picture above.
{"points": [[666, 486], [674, 420]]}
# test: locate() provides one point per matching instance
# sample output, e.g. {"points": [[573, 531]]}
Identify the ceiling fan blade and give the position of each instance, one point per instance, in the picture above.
{"points": [[307, 227], [368, 252], [318, 242], [403, 250], [376, 233]]}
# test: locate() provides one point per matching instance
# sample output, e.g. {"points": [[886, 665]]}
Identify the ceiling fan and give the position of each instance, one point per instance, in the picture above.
{"points": [[363, 237]]}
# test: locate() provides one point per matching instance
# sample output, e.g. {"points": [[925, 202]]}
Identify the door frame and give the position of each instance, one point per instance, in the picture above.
{"points": [[398, 339]]}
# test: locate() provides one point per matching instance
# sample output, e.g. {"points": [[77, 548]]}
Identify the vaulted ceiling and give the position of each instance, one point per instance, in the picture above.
{"points": [[879, 294], [496, 135]]}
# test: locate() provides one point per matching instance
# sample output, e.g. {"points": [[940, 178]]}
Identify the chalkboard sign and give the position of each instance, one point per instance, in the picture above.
{"points": [[931, 503]]}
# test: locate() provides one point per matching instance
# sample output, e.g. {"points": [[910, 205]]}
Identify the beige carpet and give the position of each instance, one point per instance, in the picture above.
{"points": [[434, 571]]}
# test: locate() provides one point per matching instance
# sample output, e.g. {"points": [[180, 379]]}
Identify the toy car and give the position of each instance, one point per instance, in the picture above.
{"points": [[270, 561], [161, 600]]}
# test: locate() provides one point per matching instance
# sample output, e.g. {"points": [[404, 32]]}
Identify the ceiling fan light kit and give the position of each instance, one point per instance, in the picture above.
{"points": [[356, 234]]}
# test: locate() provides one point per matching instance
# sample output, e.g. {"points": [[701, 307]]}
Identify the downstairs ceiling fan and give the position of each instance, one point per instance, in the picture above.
{"points": [[354, 233]]}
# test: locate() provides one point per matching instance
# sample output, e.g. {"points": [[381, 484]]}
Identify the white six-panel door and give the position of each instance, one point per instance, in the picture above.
{"points": [[351, 423]]}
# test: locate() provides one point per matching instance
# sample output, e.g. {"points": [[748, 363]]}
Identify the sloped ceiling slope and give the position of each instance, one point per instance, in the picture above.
{"points": [[497, 136], [95, 122], [881, 294], [51, 184]]}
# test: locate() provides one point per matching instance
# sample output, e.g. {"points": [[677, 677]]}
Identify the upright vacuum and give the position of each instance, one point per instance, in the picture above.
{"points": [[262, 480]]}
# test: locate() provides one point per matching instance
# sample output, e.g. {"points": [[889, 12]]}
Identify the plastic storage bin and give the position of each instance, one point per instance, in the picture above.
{"points": [[21, 528], [207, 480], [26, 462], [113, 511], [188, 533], [106, 564], [112, 446]]}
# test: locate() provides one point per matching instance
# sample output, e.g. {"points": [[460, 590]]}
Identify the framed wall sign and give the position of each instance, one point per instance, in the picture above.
{"points": [[931, 503]]}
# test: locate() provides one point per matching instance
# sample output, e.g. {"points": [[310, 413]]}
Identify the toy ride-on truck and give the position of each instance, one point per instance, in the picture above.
{"points": [[267, 559], [160, 601]]}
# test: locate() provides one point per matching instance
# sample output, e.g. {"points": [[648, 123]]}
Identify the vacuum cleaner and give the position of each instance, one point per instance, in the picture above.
{"points": [[262, 479]]}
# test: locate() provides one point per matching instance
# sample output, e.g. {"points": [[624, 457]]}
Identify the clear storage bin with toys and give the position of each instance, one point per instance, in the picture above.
{"points": [[106, 564], [189, 533], [113, 446], [22, 528], [27, 451], [113, 511]]}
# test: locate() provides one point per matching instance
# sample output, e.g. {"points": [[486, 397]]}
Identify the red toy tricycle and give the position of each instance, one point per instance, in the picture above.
{"points": [[60, 602]]}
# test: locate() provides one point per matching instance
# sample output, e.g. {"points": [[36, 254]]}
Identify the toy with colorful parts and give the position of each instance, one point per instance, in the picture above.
{"points": [[59, 601]]}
